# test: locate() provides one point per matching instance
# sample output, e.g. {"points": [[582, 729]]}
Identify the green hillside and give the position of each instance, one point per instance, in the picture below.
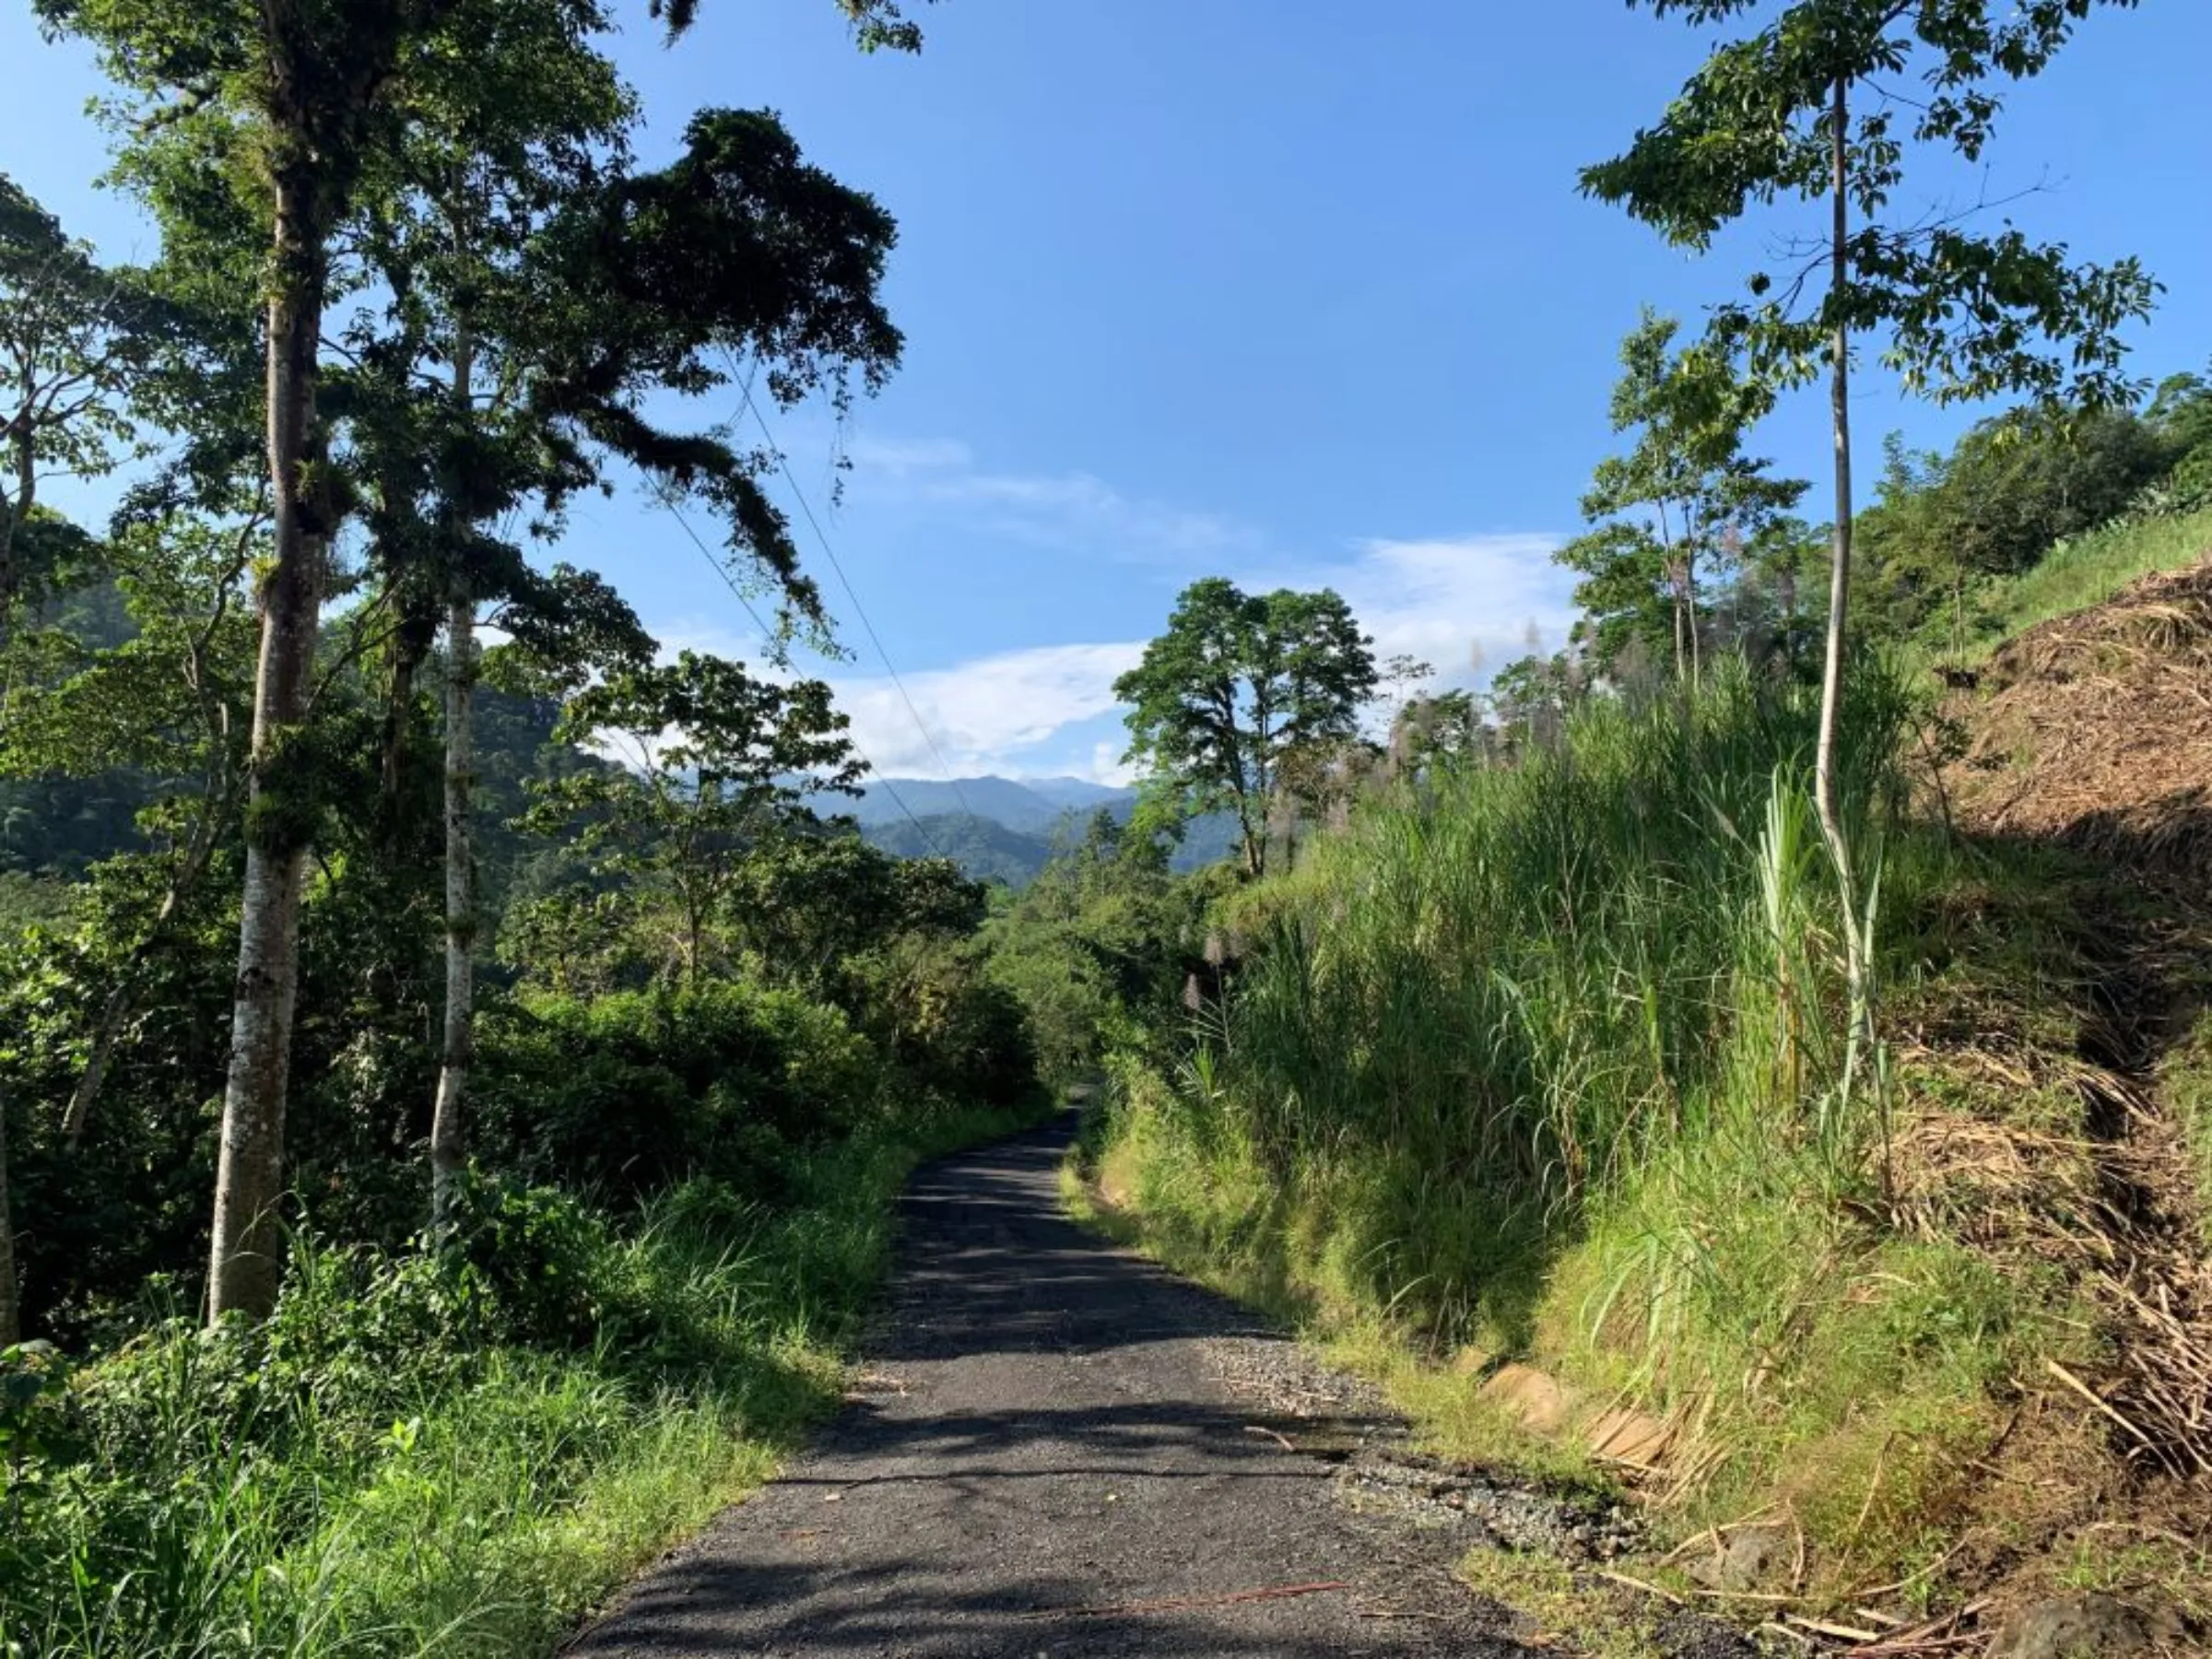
{"points": [[1546, 1066], [984, 849]]}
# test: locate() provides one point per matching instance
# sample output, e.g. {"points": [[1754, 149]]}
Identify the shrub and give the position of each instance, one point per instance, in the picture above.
{"points": [[639, 1090], [940, 1016]]}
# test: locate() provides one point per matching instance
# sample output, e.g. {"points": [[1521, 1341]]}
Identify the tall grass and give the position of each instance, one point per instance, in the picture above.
{"points": [[1550, 1061], [1500, 996]]}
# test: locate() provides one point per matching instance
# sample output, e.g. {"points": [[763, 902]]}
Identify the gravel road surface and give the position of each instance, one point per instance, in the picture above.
{"points": [[1057, 1448]]}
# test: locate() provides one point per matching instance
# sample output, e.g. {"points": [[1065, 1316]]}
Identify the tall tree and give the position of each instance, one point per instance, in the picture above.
{"points": [[781, 265], [529, 125], [280, 119], [1783, 113], [1237, 683]]}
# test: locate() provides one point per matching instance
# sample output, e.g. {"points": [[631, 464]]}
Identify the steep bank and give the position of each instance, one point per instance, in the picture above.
{"points": [[1528, 1090]]}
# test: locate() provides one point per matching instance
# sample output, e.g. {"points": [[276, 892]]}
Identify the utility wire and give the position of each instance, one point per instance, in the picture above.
{"points": [[737, 593], [784, 466]]}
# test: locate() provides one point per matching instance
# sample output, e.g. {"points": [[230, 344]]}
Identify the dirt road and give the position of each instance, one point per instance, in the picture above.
{"points": [[1060, 1450]]}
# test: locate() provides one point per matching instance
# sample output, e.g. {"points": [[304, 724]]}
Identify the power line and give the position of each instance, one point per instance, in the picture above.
{"points": [[784, 466], [737, 593]]}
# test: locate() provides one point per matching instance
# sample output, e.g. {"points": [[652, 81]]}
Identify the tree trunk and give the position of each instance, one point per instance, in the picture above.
{"points": [[1690, 605], [1858, 944], [11, 1322], [242, 1268], [1256, 840], [446, 1142], [11, 514], [1839, 590], [447, 1118], [15, 511], [399, 709]]}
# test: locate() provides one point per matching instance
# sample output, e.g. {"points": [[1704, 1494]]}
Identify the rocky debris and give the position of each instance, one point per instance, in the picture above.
{"points": [[1748, 1559], [1285, 1380], [1634, 1439], [2087, 1625], [1344, 1419], [1494, 1513]]}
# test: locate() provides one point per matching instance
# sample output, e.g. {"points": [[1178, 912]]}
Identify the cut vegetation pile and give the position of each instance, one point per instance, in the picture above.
{"points": [[2095, 730]]}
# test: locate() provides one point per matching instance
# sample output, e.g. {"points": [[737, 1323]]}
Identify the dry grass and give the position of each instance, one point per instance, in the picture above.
{"points": [[2095, 730]]}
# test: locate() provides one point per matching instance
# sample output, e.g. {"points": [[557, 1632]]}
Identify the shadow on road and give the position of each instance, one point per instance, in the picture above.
{"points": [[1040, 1460]]}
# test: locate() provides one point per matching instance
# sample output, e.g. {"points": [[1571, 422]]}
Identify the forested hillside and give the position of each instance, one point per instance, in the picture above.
{"points": [[990, 848]]}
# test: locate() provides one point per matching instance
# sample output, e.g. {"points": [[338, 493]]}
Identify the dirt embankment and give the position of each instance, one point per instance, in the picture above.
{"points": [[2093, 732]]}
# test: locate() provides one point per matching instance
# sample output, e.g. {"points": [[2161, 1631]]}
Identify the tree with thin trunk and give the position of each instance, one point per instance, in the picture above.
{"points": [[1805, 108], [1688, 476], [543, 290], [534, 396]]}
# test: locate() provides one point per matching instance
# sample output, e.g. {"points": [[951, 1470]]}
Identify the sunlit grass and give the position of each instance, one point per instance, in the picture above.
{"points": [[2085, 571]]}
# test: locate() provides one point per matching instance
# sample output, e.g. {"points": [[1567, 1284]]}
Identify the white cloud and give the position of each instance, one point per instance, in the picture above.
{"points": [[984, 714], [1464, 604], [900, 456], [1108, 767], [708, 639]]}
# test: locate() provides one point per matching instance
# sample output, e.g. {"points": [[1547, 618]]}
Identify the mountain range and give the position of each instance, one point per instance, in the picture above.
{"points": [[1034, 805], [1004, 829]]}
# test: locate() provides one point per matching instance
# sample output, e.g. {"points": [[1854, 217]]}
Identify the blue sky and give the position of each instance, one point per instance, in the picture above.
{"points": [[1292, 292]]}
